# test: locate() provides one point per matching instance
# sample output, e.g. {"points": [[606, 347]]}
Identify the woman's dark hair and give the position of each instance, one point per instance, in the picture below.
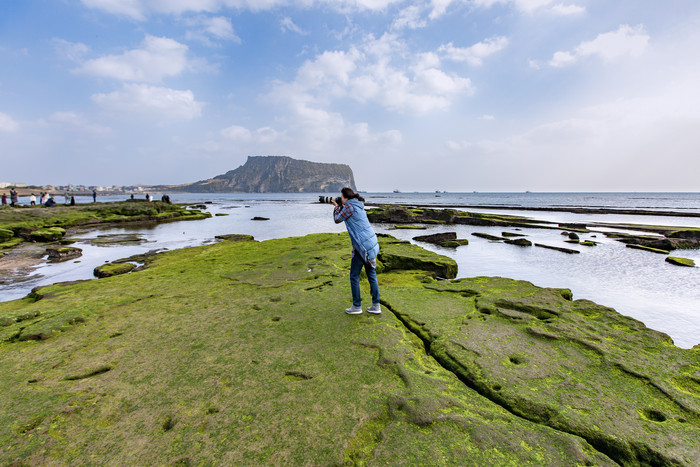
{"points": [[348, 193]]}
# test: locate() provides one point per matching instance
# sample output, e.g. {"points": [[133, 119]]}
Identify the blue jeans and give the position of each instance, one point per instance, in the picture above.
{"points": [[355, 270]]}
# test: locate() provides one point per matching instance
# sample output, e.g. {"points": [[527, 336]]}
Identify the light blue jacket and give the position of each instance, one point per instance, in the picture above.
{"points": [[362, 236]]}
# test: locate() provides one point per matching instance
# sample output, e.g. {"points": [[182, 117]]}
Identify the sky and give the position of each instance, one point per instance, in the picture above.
{"points": [[455, 95]]}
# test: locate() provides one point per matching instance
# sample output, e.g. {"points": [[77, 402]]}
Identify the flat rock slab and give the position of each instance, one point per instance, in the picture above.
{"points": [[558, 248], [240, 353]]}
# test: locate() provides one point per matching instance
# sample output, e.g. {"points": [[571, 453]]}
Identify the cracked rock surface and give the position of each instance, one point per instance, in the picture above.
{"points": [[239, 353]]}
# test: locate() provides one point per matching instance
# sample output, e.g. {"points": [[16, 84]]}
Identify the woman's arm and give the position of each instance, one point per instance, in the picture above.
{"points": [[340, 214]]}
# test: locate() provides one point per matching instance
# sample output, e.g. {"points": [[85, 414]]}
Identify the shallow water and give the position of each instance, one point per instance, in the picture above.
{"points": [[636, 283]]}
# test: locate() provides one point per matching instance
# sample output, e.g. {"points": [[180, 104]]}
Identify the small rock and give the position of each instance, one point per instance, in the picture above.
{"points": [[681, 261]]}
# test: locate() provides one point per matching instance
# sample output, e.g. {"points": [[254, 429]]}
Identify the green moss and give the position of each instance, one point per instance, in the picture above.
{"points": [[257, 331], [5, 235], [31, 219], [398, 255], [409, 227], [680, 261], [113, 269], [50, 234], [647, 248], [11, 243]]}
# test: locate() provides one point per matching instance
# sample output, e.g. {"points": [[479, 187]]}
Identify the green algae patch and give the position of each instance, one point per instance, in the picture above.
{"points": [[647, 248], [240, 353], [30, 222], [50, 234], [409, 227], [400, 255], [676, 261], [113, 269], [10, 243], [5, 235], [572, 365]]}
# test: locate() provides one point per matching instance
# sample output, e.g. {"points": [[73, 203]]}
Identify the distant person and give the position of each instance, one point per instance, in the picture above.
{"points": [[13, 197], [365, 248], [66, 195], [44, 197], [132, 196], [94, 196], [50, 202], [32, 200], [149, 198], [165, 198], [72, 200], [4, 199]]}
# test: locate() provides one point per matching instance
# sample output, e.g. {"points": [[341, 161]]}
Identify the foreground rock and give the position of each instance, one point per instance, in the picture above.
{"points": [[63, 253], [240, 353]]}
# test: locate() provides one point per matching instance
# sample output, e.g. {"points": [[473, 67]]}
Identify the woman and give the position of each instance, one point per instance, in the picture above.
{"points": [[365, 248]]}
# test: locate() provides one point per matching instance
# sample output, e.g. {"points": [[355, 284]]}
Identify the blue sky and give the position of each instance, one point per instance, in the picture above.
{"points": [[457, 95]]}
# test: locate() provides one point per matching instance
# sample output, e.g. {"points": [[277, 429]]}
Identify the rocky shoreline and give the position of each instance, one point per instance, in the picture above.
{"points": [[239, 352]]}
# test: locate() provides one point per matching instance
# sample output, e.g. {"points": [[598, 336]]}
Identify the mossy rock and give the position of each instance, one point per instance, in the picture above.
{"points": [[51, 234], [487, 236], [680, 261], [259, 218], [588, 243], [647, 248], [242, 351], [236, 238], [519, 242], [221, 214], [454, 243], [63, 253], [400, 255], [10, 243], [113, 269], [409, 227], [5, 235]]}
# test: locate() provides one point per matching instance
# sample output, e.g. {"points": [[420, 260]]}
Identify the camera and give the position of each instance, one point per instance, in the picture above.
{"points": [[329, 200]]}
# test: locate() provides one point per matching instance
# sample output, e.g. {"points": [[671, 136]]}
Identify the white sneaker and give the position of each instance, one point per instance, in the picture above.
{"points": [[374, 309], [354, 310]]}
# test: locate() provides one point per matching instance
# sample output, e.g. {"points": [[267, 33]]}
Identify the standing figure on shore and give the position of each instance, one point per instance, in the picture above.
{"points": [[94, 196], [365, 248], [13, 197], [4, 199], [32, 200], [66, 195]]}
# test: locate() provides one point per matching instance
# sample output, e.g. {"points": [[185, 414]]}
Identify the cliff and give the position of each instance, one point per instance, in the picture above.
{"points": [[277, 174]]}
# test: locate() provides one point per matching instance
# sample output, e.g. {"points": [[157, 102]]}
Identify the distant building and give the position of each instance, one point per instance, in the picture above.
{"points": [[10, 185]]}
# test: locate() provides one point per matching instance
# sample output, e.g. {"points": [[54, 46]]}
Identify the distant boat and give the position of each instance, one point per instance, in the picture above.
{"points": [[528, 191], [397, 191]]}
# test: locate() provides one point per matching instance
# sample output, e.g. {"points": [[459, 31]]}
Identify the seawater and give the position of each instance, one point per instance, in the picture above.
{"points": [[636, 283]]}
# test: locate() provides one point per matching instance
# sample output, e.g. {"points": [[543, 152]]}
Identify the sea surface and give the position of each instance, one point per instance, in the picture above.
{"points": [[636, 283]]}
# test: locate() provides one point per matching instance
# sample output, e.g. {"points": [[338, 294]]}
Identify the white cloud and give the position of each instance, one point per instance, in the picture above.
{"points": [[487, 117], [567, 10], [240, 134], [8, 124], [140, 100], [529, 6], [475, 54], [74, 51], [379, 71], [78, 122], [139, 10], [158, 58], [409, 18], [626, 40], [288, 25], [217, 27]]}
